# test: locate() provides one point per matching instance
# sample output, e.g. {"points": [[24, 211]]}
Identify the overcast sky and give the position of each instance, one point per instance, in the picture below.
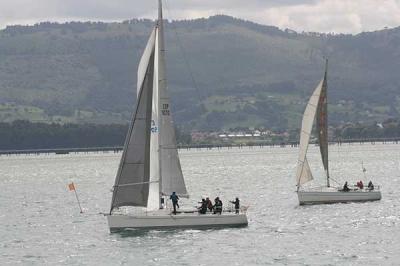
{"points": [[339, 16]]}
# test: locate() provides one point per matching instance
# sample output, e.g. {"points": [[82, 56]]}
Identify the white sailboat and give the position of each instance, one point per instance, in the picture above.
{"points": [[317, 108], [150, 169]]}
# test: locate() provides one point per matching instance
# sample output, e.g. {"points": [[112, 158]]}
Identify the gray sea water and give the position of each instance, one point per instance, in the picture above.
{"points": [[40, 223]]}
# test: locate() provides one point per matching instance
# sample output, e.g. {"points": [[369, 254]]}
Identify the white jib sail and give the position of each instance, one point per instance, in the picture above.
{"points": [[144, 60], [154, 189], [132, 180], [304, 174]]}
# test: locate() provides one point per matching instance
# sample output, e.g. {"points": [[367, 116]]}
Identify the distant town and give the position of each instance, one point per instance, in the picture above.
{"points": [[389, 129], [244, 136]]}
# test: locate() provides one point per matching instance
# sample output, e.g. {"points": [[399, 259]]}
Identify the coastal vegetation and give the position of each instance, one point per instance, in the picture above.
{"points": [[23, 135], [244, 74]]}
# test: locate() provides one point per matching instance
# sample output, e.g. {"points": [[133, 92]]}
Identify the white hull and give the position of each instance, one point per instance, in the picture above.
{"points": [[118, 222], [326, 197]]}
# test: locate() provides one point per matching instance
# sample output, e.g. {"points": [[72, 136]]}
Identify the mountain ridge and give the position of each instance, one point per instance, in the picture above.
{"points": [[246, 74]]}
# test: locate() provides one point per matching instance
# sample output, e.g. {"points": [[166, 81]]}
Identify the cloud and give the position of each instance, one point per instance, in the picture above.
{"points": [[336, 16], [348, 16]]}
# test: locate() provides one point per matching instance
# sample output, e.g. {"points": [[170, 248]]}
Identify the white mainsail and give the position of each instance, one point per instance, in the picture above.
{"points": [[304, 174], [171, 172], [150, 165]]}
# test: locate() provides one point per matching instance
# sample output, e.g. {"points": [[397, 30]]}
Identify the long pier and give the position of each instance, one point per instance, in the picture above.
{"points": [[62, 150], [116, 149]]}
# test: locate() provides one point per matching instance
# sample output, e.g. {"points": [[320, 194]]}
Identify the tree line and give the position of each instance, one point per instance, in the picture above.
{"points": [[21, 134], [390, 128]]}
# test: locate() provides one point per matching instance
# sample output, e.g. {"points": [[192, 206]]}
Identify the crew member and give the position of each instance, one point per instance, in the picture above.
{"points": [[175, 200]]}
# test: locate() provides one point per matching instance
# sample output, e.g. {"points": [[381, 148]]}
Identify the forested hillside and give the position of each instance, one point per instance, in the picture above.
{"points": [[247, 75]]}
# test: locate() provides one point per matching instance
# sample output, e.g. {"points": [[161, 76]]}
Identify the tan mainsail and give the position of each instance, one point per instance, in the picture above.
{"points": [[322, 124]]}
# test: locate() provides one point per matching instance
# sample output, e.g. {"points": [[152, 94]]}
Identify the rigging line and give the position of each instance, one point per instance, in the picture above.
{"points": [[186, 61], [340, 158], [330, 178]]}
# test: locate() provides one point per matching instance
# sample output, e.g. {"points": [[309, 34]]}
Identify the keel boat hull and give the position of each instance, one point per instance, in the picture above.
{"points": [[328, 197], [170, 221]]}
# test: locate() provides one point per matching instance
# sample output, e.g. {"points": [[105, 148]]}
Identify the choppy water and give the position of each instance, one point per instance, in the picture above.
{"points": [[40, 223]]}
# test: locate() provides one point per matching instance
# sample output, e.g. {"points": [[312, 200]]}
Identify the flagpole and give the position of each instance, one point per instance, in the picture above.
{"points": [[76, 194], [72, 185]]}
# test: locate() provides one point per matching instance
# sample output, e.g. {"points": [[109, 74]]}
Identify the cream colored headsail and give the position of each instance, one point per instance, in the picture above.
{"points": [[304, 174]]}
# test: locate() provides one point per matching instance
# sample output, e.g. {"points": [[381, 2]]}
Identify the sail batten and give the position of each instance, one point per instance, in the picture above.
{"points": [[133, 184]]}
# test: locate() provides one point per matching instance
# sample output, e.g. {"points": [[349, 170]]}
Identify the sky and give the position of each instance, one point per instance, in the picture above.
{"points": [[334, 16]]}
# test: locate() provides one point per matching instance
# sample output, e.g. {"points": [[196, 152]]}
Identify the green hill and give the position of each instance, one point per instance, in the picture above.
{"points": [[247, 75]]}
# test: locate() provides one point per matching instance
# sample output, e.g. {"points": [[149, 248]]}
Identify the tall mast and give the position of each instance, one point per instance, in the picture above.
{"points": [[326, 93], [161, 78], [171, 176]]}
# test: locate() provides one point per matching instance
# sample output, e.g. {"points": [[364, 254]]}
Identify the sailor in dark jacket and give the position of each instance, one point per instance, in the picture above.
{"points": [[237, 204], [203, 207], [174, 198], [218, 206], [345, 187], [209, 204]]}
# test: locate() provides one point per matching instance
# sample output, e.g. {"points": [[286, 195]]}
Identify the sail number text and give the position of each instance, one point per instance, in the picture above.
{"points": [[165, 109]]}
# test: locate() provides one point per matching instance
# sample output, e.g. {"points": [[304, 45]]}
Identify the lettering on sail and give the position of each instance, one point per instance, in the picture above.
{"points": [[165, 109], [154, 128]]}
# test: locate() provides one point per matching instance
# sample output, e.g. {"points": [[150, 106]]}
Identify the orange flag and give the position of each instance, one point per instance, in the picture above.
{"points": [[71, 186]]}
